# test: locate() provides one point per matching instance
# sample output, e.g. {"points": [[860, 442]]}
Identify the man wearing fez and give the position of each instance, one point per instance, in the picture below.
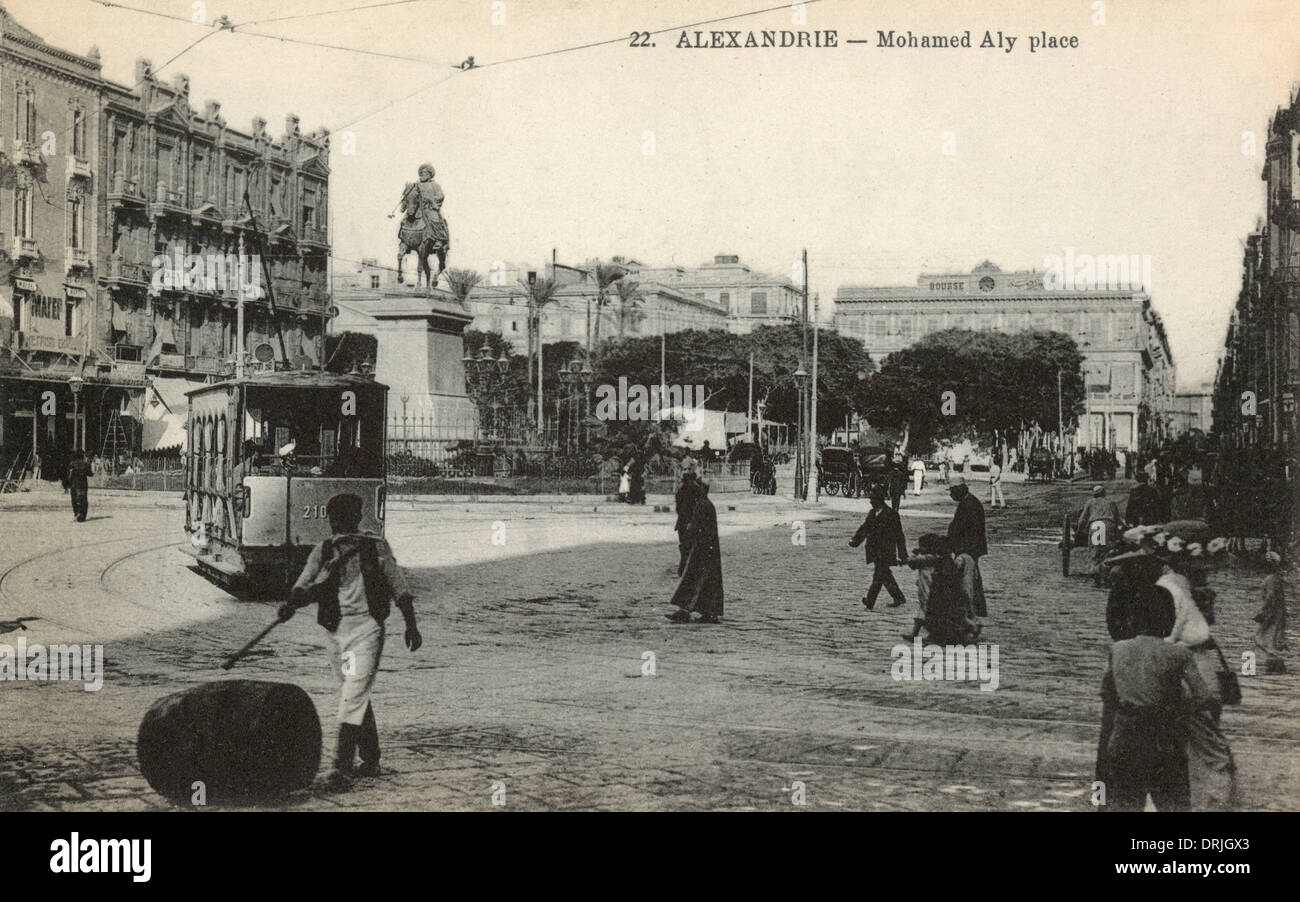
{"points": [[353, 579], [969, 544]]}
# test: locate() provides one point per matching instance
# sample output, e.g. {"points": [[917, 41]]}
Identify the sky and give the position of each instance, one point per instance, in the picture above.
{"points": [[882, 162]]}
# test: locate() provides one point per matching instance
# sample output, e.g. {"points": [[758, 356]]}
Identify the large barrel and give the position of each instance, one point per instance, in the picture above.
{"points": [[245, 740]]}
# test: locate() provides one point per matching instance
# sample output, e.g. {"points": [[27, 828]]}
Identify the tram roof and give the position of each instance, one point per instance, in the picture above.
{"points": [[295, 380]]}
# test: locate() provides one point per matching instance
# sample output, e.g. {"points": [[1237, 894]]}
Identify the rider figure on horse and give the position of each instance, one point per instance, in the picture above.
{"points": [[423, 229]]}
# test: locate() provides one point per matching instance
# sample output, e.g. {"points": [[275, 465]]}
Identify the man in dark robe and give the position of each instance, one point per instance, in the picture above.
{"points": [[969, 544], [1143, 506], [881, 536], [636, 479], [687, 495], [77, 483], [700, 590]]}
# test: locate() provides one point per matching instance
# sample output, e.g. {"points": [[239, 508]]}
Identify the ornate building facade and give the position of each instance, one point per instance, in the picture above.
{"points": [[1128, 366], [1255, 389], [124, 215], [50, 192]]}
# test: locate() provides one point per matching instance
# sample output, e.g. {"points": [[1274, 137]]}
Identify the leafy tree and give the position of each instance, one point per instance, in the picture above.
{"points": [[629, 302], [719, 361], [461, 282], [606, 274], [348, 350], [1002, 384]]}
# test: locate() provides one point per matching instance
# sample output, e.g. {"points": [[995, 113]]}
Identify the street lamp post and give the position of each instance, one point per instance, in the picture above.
{"points": [[801, 467], [75, 384]]}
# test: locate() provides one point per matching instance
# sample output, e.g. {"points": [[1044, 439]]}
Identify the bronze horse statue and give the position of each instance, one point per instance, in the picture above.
{"points": [[423, 230]]}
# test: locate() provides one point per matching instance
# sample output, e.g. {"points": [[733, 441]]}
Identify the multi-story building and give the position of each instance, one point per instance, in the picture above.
{"points": [[50, 192], [1128, 365], [1255, 390], [109, 195], [1192, 411], [184, 184], [749, 298], [724, 294]]}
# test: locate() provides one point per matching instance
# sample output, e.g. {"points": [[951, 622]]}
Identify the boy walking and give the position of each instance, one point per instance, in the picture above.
{"points": [[354, 580], [881, 536]]}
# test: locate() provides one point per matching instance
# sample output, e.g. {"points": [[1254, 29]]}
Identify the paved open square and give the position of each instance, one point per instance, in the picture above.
{"points": [[549, 678]]}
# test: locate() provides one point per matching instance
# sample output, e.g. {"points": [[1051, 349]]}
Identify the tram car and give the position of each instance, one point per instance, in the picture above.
{"points": [[266, 453]]}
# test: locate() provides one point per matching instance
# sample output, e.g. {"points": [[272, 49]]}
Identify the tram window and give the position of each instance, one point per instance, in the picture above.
{"points": [[323, 443]]}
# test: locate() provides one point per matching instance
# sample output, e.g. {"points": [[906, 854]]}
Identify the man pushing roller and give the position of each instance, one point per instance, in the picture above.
{"points": [[354, 579]]}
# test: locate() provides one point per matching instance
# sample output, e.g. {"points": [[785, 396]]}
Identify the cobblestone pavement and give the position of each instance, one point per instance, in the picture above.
{"points": [[531, 676]]}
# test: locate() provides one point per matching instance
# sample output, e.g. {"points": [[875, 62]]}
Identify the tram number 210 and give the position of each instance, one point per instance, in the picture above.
{"points": [[314, 512]]}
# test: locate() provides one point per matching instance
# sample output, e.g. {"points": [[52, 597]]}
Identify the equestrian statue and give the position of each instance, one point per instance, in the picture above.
{"points": [[423, 230]]}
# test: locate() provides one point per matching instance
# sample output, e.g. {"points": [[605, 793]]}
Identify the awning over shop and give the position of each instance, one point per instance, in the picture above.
{"points": [[165, 411]]}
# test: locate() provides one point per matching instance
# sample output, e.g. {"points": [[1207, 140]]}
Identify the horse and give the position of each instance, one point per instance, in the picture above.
{"points": [[418, 236], [424, 247]]}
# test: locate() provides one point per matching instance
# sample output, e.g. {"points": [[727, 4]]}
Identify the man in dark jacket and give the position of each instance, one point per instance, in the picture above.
{"points": [[969, 544], [881, 536], [688, 493], [77, 483], [1144, 503]]}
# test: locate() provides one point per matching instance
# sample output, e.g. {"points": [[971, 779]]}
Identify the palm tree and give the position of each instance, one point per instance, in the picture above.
{"points": [[606, 275], [462, 282], [540, 293], [629, 299]]}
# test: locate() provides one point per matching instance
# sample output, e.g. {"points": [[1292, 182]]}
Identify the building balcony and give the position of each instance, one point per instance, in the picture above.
{"points": [[76, 259], [78, 169], [167, 203], [25, 248], [125, 192], [25, 151], [314, 236], [204, 363], [130, 275]]}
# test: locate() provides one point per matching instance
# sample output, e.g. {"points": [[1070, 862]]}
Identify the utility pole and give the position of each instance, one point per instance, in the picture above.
{"points": [[239, 311], [1060, 415], [749, 410], [812, 416]]}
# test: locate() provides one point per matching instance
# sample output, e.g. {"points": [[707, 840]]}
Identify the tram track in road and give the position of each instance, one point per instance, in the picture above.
{"points": [[5, 575]]}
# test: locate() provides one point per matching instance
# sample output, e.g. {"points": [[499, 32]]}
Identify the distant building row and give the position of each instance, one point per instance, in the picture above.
{"points": [[1255, 389]]}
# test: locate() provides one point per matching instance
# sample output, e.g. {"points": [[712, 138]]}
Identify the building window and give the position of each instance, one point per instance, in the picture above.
{"points": [[758, 302], [25, 116], [905, 328], [879, 326], [1122, 379], [76, 223], [23, 212], [724, 300], [374, 281], [79, 134], [1096, 327], [1126, 328]]}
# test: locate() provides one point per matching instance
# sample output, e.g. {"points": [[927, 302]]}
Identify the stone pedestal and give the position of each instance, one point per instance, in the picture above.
{"points": [[420, 359]]}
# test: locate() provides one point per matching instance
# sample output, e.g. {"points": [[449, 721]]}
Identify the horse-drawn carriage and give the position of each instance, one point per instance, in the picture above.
{"points": [[837, 472], [1042, 465], [877, 470]]}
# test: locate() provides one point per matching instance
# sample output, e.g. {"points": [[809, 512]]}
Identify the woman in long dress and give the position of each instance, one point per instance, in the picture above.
{"points": [[1210, 764], [700, 590]]}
